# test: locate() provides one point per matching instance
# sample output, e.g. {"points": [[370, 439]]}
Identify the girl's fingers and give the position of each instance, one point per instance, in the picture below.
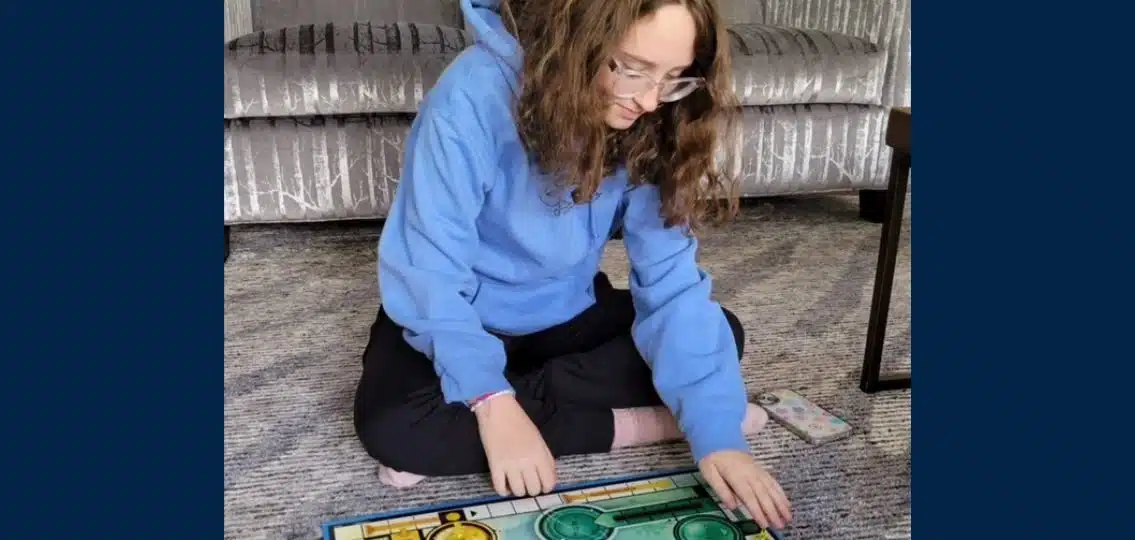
{"points": [[516, 481], [500, 481], [783, 507], [531, 480], [749, 498], [547, 472], [765, 500], [713, 477]]}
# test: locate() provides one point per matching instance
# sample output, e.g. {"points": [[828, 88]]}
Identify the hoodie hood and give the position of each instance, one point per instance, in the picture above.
{"points": [[483, 17]]}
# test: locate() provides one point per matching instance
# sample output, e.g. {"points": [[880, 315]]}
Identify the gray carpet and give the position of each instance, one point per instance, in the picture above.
{"points": [[798, 273]]}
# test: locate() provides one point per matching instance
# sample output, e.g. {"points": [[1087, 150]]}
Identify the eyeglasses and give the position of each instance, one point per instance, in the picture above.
{"points": [[631, 84]]}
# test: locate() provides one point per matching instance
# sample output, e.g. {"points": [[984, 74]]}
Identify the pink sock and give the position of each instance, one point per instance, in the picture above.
{"points": [[644, 425], [648, 425], [755, 419], [397, 479]]}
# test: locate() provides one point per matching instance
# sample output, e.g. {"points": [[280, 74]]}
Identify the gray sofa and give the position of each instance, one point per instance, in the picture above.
{"points": [[319, 96]]}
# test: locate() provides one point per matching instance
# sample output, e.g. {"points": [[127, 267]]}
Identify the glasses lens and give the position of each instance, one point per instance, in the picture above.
{"points": [[631, 86], [676, 91]]}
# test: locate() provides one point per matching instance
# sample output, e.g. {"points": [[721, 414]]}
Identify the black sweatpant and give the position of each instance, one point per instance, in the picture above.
{"points": [[567, 378]]}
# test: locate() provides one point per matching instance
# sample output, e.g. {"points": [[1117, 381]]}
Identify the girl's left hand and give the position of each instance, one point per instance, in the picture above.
{"points": [[738, 478]]}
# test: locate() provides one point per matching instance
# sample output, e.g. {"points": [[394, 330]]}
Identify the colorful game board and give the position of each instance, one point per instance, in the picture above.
{"points": [[664, 506]]}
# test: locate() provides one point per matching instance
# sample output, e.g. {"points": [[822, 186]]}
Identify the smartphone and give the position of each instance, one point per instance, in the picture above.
{"points": [[802, 417]]}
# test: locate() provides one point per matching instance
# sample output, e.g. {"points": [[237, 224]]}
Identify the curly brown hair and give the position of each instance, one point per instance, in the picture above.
{"points": [[682, 147]]}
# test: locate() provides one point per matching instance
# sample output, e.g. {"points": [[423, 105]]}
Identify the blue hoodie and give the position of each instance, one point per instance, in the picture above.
{"points": [[472, 244]]}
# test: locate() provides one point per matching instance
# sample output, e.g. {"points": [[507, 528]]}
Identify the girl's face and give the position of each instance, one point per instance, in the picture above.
{"points": [[646, 67]]}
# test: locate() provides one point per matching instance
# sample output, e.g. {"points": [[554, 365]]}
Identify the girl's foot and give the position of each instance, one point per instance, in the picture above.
{"points": [[397, 479], [755, 419], [648, 425]]}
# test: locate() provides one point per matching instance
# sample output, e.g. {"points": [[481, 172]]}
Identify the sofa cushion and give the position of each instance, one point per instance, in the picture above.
{"points": [[775, 65], [332, 69]]}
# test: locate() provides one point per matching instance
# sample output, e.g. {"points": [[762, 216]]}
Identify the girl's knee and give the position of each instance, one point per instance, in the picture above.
{"points": [[420, 439], [384, 435]]}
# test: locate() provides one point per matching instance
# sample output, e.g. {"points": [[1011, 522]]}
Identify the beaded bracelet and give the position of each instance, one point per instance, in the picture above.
{"points": [[480, 400]]}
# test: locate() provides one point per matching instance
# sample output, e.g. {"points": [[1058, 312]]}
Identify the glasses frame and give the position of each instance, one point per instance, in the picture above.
{"points": [[622, 71]]}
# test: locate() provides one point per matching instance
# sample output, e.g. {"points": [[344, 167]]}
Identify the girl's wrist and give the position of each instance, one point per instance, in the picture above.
{"points": [[480, 401]]}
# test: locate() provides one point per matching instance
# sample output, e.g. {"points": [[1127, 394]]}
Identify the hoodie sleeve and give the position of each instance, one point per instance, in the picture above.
{"points": [[680, 331], [425, 256]]}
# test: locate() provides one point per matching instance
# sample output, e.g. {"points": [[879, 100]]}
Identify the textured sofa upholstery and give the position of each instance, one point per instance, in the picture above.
{"points": [[319, 96]]}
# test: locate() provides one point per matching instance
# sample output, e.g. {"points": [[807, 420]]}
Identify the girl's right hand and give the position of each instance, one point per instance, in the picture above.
{"points": [[519, 459]]}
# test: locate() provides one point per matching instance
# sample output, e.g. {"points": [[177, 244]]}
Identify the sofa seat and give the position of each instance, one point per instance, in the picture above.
{"points": [[774, 65], [328, 69], [347, 166], [314, 168]]}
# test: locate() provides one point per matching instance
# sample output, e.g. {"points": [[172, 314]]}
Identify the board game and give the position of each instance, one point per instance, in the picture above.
{"points": [[675, 505]]}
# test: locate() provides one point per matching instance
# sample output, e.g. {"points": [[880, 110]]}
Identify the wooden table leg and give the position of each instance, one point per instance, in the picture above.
{"points": [[871, 380]]}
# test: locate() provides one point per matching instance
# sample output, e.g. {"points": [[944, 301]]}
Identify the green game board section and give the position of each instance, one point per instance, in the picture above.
{"points": [[677, 514], [656, 512], [671, 513], [573, 523], [706, 527]]}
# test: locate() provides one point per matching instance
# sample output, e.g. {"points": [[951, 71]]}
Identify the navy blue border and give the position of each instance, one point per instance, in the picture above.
{"points": [[1023, 318], [441, 507], [112, 347]]}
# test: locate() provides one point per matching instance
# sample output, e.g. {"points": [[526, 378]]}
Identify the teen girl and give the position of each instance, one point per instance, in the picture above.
{"points": [[499, 344]]}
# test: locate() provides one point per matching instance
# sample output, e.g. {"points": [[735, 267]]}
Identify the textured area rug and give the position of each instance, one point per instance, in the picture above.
{"points": [[299, 300]]}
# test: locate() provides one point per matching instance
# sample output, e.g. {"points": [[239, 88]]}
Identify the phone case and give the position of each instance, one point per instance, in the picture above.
{"points": [[802, 417]]}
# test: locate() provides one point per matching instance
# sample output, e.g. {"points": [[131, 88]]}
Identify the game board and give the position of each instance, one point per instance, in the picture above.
{"points": [[675, 505]]}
